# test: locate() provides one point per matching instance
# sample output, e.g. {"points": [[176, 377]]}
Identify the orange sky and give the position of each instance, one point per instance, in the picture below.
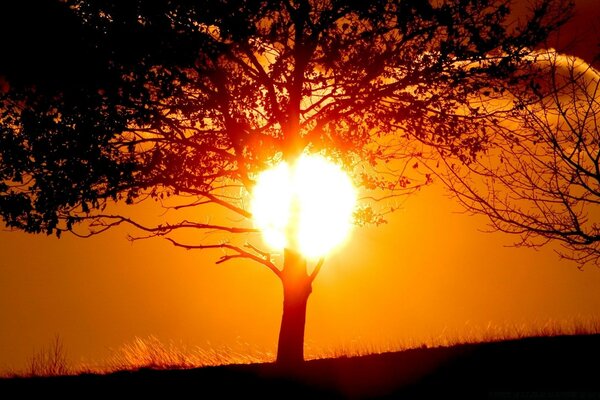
{"points": [[428, 271]]}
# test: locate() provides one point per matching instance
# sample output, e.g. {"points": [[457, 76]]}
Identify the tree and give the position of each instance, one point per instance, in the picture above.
{"points": [[541, 179], [189, 100]]}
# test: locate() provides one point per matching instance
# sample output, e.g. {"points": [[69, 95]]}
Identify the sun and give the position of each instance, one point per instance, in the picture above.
{"points": [[306, 206]]}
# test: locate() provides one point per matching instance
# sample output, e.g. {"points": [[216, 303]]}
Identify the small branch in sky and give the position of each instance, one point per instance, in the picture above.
{"points": [[315, 271], [241, 253], [105, 221], [258, 251]]}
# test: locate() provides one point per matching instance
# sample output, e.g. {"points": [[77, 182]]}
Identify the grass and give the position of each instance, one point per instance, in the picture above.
{"points": [[152, 353], [469, 334], [547, 367], [51, 360]]}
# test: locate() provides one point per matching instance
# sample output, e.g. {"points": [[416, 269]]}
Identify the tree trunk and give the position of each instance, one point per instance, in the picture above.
{"points": [[296, 289]]}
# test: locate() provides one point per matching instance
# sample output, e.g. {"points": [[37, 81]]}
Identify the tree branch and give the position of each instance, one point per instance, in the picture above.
{"points": [[240, 254], [316, 270]]}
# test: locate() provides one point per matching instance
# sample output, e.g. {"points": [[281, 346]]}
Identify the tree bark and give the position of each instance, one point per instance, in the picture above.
{"points": [[296, 289]]}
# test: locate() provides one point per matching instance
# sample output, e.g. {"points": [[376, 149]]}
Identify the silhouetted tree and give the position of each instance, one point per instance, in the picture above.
{"points": [[189, 100], [541, 178]]}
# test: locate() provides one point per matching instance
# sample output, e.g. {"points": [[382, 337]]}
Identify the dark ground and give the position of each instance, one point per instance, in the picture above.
{"points": [[564, 367]]}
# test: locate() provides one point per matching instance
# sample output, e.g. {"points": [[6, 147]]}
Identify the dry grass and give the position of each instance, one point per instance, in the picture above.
{"points": [[151, 353], [468, 334], [49, 361]]}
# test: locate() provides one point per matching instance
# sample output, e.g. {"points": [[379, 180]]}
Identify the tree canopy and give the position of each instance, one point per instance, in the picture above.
{"points": [[137, 99]]}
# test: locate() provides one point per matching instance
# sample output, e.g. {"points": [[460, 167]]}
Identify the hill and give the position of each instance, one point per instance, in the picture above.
{"points": [[532, 368]]}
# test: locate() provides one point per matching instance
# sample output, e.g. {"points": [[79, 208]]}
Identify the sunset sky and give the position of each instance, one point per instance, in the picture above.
{"points": [[428, 273]]}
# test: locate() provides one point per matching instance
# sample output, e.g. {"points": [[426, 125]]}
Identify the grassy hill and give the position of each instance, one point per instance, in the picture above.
{"points": [[531, 368]]}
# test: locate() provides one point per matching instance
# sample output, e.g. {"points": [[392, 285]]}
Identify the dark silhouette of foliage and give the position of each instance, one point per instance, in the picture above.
{"points": [[190, 99]]}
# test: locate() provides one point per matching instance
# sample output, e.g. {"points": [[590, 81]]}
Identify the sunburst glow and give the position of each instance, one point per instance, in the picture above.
{"points": [[306, 206]]}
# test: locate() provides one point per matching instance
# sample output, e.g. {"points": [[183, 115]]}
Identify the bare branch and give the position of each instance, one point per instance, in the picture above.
{"points": [[316, 270], [540, 179], [240, 253]]}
